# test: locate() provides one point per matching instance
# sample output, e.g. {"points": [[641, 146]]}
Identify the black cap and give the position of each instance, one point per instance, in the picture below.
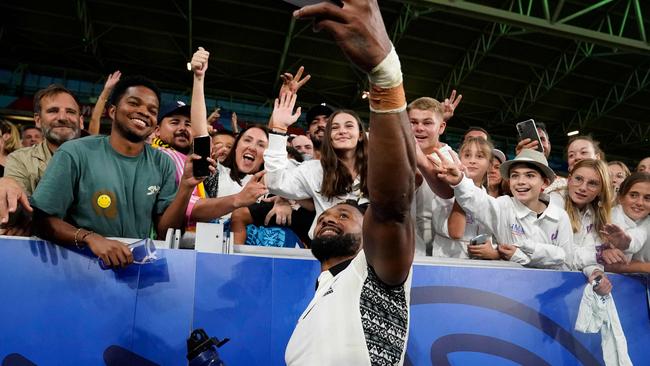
{"points": [[175, 108], [318, 110]]}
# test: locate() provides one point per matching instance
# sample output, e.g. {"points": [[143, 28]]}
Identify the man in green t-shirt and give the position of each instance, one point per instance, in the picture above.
{"points": [[114, 185]]}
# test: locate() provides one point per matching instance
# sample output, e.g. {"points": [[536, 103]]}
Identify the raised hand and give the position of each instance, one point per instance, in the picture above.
{"points": [[283, 115], [112, 80], [357, 28], [252, 191], [450, 104], [616, 237], [451, 172], [291, 84], [200, 62], [214, 116]]}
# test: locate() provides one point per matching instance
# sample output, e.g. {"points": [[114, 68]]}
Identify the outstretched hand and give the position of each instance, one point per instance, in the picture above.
{"points": [[291, 84], [283, 115], [357, 28], [112, 80], [451, 171], [450, 104], [200, 62], [616, 236]]}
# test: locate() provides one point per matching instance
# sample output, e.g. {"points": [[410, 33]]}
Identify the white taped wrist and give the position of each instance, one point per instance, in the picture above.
{"points": [[388, 74]]}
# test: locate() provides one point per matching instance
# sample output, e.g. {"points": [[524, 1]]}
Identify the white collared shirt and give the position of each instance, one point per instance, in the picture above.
{"points": [[543, 242]]}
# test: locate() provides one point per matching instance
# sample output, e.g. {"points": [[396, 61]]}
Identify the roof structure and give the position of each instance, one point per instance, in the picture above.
{"points": [[573, 64]]}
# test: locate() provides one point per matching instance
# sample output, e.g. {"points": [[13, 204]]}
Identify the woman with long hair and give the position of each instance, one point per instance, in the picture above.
{"points": [[588, 202], [631, 214], [338, 176], [453, 227]]}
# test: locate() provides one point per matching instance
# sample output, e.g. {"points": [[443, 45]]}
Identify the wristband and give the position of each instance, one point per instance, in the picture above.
{"points": [[386, 89]]}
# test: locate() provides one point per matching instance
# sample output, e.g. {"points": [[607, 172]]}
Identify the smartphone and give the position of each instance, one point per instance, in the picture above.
{"points": [[202, 146], [301, 3], [479, 239], [528, 130]]}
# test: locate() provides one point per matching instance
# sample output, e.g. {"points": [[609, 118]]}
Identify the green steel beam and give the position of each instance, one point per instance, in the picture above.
{"points": [[636, 82], [283, 56], [89, 40], [584, 11], [472, 57], [559, 28], [545, 81]]}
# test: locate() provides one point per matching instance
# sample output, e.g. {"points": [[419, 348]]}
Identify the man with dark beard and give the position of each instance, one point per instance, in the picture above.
{"points": [[57, 114], [113, 185], [317, 120], [359, 314]]}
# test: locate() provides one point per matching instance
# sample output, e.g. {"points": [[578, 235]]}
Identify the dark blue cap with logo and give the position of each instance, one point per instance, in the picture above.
{"points": [[175, 108]]}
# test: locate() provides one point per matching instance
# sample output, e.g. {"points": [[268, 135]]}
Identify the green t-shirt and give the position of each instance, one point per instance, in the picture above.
{"points": [[92, 186]]}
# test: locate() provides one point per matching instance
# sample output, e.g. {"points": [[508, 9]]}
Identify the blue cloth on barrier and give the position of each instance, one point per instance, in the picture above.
{"points": [[272, 237]]}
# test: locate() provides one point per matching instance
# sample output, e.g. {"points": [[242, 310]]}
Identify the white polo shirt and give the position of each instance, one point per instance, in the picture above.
{"points": [[542, 242], [353, 319]]}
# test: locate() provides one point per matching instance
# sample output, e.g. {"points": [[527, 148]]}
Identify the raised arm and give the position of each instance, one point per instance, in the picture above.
{"points": [[198, 113], [95, 118], [388, 236]]}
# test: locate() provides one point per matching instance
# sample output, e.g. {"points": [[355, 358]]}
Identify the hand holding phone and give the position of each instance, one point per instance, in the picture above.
{"points": [[479, 239], [528, 130], [202, 145]]}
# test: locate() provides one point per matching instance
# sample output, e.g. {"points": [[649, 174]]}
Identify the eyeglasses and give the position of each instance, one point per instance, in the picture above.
{"points": [[578, 180]]}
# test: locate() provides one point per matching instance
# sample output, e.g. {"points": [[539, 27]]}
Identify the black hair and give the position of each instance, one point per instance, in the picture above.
{"points": [[129, 81], [531, 166], [477, 128], [541, 126], [295, 154], [355, 203]]}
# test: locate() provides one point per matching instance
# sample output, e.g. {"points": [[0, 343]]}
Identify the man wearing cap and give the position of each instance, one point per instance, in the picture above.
{"points": [[173, 136], [57, 113], [317, 119]]}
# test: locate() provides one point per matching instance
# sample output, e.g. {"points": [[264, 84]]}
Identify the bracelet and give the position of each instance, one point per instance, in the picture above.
{"points": [[280, 131], [83, 237]]}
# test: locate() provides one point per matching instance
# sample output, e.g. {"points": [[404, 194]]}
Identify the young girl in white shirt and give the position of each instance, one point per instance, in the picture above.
{"points": [[631, 214], [587, 201], [453, 227]]}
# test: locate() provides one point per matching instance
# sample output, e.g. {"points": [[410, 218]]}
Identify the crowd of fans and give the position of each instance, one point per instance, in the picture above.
{"points": [[269, 187]]}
